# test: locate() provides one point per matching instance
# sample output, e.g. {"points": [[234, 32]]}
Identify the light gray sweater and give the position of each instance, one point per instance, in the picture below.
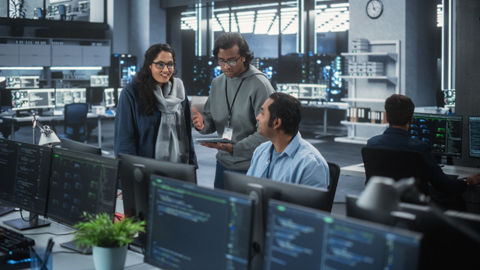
{"points": [[254, 91]]}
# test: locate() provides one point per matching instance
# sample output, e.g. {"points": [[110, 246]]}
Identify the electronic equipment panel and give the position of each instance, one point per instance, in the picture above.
{"points": [[17, 82], [474, 136], [99, 80], [81, 182], [25, 170], [31, 99], [302, 238], [191, 227], [64, 96], [442, 132]]}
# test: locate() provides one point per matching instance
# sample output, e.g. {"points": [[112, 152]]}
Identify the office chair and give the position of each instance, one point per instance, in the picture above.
{"points": [[75, 120], [396, 164], [334, 171]]}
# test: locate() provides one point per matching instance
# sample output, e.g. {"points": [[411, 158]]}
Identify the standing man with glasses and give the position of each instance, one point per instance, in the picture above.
{"points": [[153, 115], [236, 97]]}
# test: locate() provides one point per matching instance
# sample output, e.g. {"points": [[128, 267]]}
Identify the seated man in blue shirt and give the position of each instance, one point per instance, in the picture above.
{"points": [[399, 111], [286, 157]]}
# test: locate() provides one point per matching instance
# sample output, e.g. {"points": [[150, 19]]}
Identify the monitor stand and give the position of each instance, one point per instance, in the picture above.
{"points": [[32, 222], [73, 246], [5, 210], [256, 194]]}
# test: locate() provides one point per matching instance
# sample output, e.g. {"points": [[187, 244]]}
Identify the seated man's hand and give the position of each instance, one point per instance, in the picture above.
{"points": [[473, 179]]}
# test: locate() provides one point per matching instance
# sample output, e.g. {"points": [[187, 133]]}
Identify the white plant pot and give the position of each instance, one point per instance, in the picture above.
{"points": [[109, 258]]}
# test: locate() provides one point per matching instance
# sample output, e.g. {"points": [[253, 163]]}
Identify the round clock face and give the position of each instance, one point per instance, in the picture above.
{"points": [[374, 8]]}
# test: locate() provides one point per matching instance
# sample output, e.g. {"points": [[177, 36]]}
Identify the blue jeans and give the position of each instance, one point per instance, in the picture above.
{"points": [[219, 174]]}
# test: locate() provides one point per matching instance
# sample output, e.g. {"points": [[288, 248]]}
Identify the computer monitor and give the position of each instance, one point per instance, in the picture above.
{"points": [[25, 170], [192, 227], [109, 97], [81, 182], [135, 174], [474, 136], [79, 147], [99, 80], [261, 190], [303, 238], [442, 132], [64, 96], [31, 99], [17, 82], [95, 95]]}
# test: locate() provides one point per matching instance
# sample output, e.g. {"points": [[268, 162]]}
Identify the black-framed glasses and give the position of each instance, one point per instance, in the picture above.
{"points": [[231, 62], [161, 65]]}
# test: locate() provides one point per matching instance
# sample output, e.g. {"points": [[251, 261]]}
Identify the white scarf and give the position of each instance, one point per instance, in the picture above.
{"points": [[172, 140]]}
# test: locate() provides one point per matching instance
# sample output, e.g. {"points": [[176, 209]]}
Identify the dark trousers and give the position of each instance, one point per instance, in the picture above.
{"points": [[219, 174]]}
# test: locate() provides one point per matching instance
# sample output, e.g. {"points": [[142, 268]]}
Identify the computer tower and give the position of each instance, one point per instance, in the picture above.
{"points": [[123, 69]]}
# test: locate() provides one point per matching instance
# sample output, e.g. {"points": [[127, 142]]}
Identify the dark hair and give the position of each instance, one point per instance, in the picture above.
{"points": [[228, 40], [399, 109], [288, 109], [145, 79]]}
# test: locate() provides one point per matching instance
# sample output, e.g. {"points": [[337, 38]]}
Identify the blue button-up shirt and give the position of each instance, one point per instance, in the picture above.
{"points": [[299, 163]]}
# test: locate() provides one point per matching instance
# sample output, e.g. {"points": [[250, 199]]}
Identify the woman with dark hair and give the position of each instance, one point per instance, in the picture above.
{"points": [[153, 114]]}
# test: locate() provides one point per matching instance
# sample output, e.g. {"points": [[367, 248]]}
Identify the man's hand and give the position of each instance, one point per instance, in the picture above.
{"points": [[197, 119], [227, 147], [473, 179]]}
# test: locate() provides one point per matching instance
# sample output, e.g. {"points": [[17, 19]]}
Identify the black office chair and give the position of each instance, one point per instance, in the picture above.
{"points": [[334, 171], [75, 121], [396, 164]]}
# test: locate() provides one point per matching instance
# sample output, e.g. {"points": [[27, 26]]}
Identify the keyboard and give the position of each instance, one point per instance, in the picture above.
{"points": [[11, 240]]}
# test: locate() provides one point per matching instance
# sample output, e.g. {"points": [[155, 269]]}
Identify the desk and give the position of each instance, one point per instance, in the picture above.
{"points": [[63, 258], [326, 106], [358, 170], [49, 119]]}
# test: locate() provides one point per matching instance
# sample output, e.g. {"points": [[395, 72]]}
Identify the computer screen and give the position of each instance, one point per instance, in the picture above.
{"points": [[109, 97], [135, 174], [474, 136], [192, 227], [442, 132], [25, 170], [95, 95], [81, 182], [99, 80], [302, 238], [65, 96], [17, 82], [30, 99]]}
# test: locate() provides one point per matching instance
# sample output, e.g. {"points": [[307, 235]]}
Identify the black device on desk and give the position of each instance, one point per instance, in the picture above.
{"points": [[442, 132], [25, 170], [14, 249], [81, 182], [95, 95], [192, 227], [303, 238], [135, 174], [261, 190]]}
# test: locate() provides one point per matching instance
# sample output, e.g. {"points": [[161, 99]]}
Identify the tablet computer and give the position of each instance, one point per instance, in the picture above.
{"points": [[212, 140]]}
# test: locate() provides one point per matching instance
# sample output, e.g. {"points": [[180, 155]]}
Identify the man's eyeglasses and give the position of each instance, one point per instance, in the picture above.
{"points": [[231, 62], [161, 65]]}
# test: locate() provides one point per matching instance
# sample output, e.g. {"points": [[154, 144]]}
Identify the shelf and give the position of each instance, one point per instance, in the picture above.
{"points": [[363, 124], [392, 80], [392, 56], [371, 100], [355, 140]]}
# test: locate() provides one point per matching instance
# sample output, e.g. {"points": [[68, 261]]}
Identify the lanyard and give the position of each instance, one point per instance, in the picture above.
{"points": [[230, 107], [270, 162]]}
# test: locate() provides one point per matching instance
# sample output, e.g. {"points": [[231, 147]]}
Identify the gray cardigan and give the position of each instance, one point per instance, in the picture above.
{"points": [[253, 92]]}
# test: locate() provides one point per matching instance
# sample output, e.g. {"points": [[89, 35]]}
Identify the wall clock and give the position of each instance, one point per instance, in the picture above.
{"points": [[374, 8]]}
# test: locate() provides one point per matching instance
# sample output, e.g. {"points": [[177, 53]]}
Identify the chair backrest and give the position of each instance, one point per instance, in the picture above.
{"points": [[334, 171], [75, 120], [396, 164]]}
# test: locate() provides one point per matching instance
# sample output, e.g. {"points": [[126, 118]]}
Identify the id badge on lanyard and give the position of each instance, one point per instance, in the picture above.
{"points": [[228, 131]]}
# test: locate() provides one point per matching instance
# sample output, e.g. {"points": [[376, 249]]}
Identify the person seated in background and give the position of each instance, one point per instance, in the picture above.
{"points": [[286, 157], [399, 112]]}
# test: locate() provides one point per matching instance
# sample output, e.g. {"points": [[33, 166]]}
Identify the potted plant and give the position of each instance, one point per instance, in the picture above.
{"points": [[108, 239]]}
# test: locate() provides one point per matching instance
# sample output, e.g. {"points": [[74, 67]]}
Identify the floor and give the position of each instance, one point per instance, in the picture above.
{"points": [[340, 153]]}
